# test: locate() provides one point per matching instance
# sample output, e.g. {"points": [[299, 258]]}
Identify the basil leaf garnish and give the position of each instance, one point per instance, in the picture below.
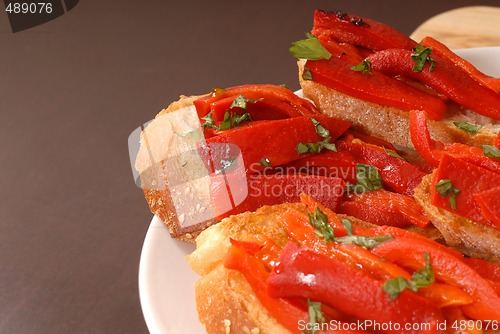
{"points": [[309, 48], [444, 188], [467, 127]]}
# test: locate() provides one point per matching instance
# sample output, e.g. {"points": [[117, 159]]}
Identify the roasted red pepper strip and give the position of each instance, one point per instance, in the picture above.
{"points": [[489, 203], [469, 179], [474, 155], [442, 50], [397, 174], [444, 78], [359, 31], [303, 273], [409, 253], [421, 138], [374, 87], [275, 141], [262, 109], [484, 268], [288, 314], [264, 91], [256, 275], [232, 194], [398, 232], [382, 207], [298, 228], [327, 163]]}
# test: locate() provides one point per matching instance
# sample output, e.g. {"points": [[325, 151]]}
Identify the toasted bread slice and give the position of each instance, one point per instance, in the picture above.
{"points": [[172, 175], [393, 124], [471, 238], [225, 301]]}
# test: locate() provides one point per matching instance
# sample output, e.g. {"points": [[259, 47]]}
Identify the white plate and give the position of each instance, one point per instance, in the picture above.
{"points": [[165, 279]]}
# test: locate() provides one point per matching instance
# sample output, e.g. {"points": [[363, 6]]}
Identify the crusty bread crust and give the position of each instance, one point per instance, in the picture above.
{"points": [[471, 238], [393, 124]]}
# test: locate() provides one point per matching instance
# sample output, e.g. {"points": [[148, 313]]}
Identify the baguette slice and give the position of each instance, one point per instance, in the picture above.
{"points": [[471, 238], [393, 124], [172, 175]]}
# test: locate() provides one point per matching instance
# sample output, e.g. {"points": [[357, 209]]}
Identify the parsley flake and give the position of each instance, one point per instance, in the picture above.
{"points": [[467, 127], [420, 279], [319, 220], [444, 188], [420, 56], [491, 151], [364, 67]]}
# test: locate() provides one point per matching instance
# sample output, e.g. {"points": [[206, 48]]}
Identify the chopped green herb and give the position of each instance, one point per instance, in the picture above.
{"points": [[315, 315], [265, 162], [209, 122], [364, 67], [367, 179], [393, 154], [303, 148], [320, 130], [306, 74], [420, 279], [309, 48], [242, 102], [319, 220], [444, 188], [491, 151], [347, 225], [424, 277], [420, 56], [467, 127], [233, 120], [395, 286], [362, 241]]}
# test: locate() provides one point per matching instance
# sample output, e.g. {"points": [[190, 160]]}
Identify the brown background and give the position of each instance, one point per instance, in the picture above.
{"points": [[72, 90]]}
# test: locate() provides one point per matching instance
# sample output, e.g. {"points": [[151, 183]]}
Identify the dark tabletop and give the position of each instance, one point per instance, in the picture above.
{"points": [[72, 90]]}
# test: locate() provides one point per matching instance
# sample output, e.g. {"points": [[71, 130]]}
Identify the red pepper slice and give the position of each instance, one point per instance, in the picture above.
{"points": [[275, 141], [383, 207], [374, 87], [474, 155], [489, 203], [421, 138], [303, 273], [359, 31], [327, 163], [229, 196], [265, 91], [288, 313], [397, 174], [262, 109], [497, 141], [444, 78], [469, 179], [442, 50], [484, 268], [256, 275], [409, 252]]}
